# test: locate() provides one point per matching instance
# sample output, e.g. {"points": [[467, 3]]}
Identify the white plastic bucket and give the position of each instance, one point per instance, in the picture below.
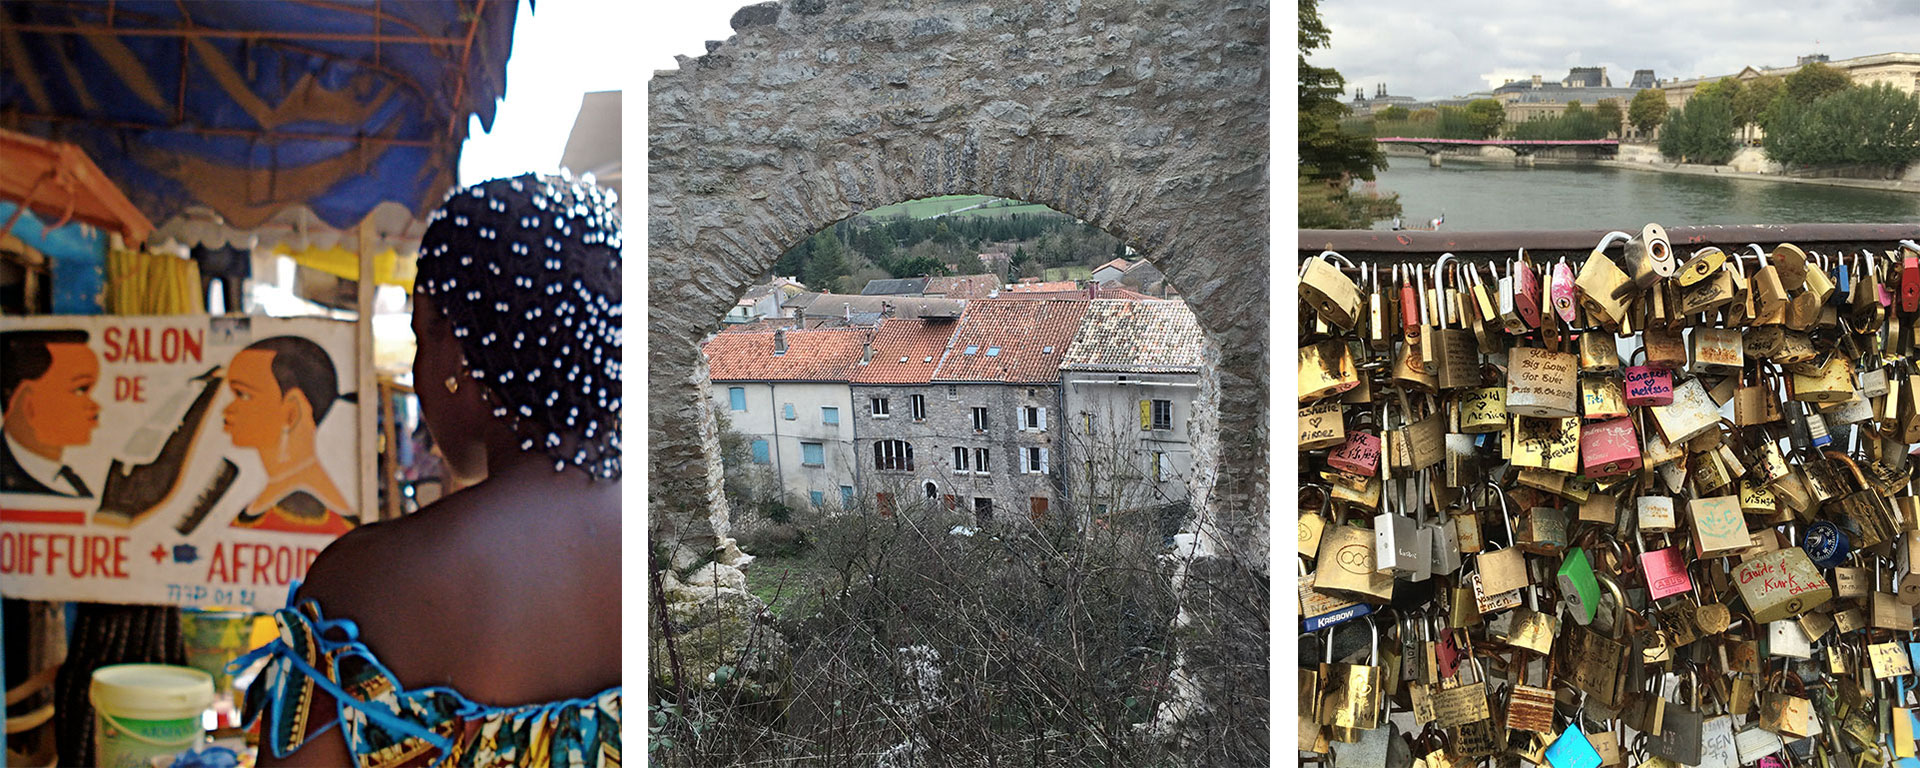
{"points": [[143, 711]]}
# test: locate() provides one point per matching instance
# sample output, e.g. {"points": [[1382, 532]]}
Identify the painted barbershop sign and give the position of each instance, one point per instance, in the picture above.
{"points": [[188, 461]]}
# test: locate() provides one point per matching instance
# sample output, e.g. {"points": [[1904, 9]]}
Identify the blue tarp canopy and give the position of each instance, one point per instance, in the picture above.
{"points": [[251, 107]]}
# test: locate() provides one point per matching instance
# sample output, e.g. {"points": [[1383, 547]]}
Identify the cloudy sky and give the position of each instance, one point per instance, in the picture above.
{"points": [[1428, 49]]}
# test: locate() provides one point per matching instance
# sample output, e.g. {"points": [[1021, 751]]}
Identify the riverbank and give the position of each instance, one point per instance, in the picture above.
{"points": [[1643, 157], [1729, 172]]}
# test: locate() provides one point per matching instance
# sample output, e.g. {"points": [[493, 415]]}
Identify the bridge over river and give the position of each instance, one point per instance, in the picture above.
{"points": [[1523, 149]]}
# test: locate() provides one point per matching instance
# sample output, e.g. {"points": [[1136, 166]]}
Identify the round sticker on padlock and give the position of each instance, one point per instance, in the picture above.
{"points": [[1826, 544]]}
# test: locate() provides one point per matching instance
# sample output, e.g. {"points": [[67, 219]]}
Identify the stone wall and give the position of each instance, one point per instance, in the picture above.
{"points": [[1148, 119]]}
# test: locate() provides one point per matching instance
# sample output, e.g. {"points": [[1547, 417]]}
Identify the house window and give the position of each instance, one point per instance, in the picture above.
{"points": [[1156, 414], [883, 501], [983, 507], [1162, 466], [761, 453], [979, 419], [1038, 507], [737, 398], [813, 455], [846, 496], [953, 392], [1086, 422], [919, 405], [880, 409], [1033, 460], [979, 461], [959, 459], [953, 502], [819, 498], [1033, 418], [896, 455], [933, 491], [830, 415]]}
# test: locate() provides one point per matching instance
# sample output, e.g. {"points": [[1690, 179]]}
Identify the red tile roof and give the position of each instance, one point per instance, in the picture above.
{"points": [[813, 355], [1030, 336], [906, 351], [963, 286]]}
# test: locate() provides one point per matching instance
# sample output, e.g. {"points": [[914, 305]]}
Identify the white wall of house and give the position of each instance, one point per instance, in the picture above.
{"points": [[1132, 466], [761, 413], [1105, 274]]}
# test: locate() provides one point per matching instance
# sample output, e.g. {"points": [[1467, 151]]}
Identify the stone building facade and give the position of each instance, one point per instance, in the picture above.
{"points": [[1129, 381]]}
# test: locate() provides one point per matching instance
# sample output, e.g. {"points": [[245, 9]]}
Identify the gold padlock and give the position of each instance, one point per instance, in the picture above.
{"points": [[1701, 265], [1329, 292], [1603, 290]]}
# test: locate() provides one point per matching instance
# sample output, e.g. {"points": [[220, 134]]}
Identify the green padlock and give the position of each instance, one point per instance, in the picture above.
{"points": [[1577, 585]]}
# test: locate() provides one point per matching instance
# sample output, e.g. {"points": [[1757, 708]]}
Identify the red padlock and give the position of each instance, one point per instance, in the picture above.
{"points": [[1648, 384], [1360, 454], [1666, 572], [1526, 291], [1609, 448], [1910, 282], [1562, 293]]}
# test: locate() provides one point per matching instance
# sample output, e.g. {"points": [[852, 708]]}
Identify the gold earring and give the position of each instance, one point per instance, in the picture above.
{"points": [[453, 384]]}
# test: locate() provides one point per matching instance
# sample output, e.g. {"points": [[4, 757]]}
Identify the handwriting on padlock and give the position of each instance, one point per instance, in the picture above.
{"points": [[1646, 382], [1776, 576]]}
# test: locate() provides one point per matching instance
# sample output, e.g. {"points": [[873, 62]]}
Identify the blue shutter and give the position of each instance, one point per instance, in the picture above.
{"points": [[829, 415], [788, 412], [846, 496], [812, 453], [737, 397], [760, 453], [818, 498]]}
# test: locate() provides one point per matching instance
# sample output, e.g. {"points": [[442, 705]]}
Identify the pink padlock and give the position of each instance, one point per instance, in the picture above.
{"points": [[1526, 291], [1666, 573], [1360, 454], [1609, 448], [1770, 762], [1562, 292], [1647, 384]]}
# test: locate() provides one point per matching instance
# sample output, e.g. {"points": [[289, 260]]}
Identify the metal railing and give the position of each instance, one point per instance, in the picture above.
{"points": [[1384, 247]]}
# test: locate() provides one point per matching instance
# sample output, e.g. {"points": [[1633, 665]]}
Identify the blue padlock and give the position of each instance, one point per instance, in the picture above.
{"points": [[1826, 545], [1572, 750]]}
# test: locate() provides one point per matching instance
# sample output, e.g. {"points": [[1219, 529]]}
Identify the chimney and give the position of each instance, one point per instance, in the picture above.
{"points": [[780, 341], [1536, 81]]}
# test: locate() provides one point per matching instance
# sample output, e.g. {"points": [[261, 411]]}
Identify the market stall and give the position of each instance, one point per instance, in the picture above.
{"points": [[321, 131]]}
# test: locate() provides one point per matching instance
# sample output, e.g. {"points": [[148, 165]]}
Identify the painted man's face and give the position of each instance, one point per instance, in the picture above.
{"points": [[58, 408], [258, 414]]}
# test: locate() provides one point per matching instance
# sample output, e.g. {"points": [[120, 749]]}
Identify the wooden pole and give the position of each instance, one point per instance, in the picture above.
{"points": [[369, 502], [389, 458]]}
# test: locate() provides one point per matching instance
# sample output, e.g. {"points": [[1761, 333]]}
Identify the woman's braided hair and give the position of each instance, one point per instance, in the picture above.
{"points": [[527, 270]]}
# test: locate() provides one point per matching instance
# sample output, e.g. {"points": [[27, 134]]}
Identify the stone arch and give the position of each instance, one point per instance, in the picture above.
{"points": [[1147, 119]]}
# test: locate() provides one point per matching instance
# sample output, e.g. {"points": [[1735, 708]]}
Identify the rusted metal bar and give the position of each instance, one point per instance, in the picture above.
{"points": [[244, 132], [231, 34], [1407, 246], [459, 111]]}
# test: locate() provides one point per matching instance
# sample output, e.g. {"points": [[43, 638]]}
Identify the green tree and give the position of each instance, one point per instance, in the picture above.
{"points": [[1723, 88], [827, 266], [1393, 112], [1647, 110], [1330, 156], [1607, 113], [1485, 117], [1874, 130], [1813, 81], [1701, 131], [1750, 104]]}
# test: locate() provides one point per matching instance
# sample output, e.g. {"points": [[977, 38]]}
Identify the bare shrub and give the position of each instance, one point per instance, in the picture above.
{"points": [[947, 641]]}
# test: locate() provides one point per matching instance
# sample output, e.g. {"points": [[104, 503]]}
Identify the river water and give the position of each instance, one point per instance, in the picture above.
{"points": [[1498, 196]]}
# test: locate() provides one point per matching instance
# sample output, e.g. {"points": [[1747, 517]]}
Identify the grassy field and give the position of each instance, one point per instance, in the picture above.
{"points": [[797, 580], [1067, 273], [951, 204]]}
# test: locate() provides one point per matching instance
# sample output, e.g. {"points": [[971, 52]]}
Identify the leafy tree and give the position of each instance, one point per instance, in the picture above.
{"points": [[1701, 131], [1393, 112], [1484, 116], [1813, 81], [1607, 112], [1723, 88], [1575, 122], [1647, 110], [1330, 156], [1876, 129], [1750, 104], [917, 266]]}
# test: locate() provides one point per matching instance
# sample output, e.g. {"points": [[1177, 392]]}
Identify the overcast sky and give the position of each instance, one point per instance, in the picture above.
{"points": [[1428, 49]]}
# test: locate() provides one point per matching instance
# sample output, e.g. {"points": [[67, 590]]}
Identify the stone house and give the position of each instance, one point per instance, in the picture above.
{"points": [[992, 404], [1130, 378], [786, 393], [894, 429]]}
